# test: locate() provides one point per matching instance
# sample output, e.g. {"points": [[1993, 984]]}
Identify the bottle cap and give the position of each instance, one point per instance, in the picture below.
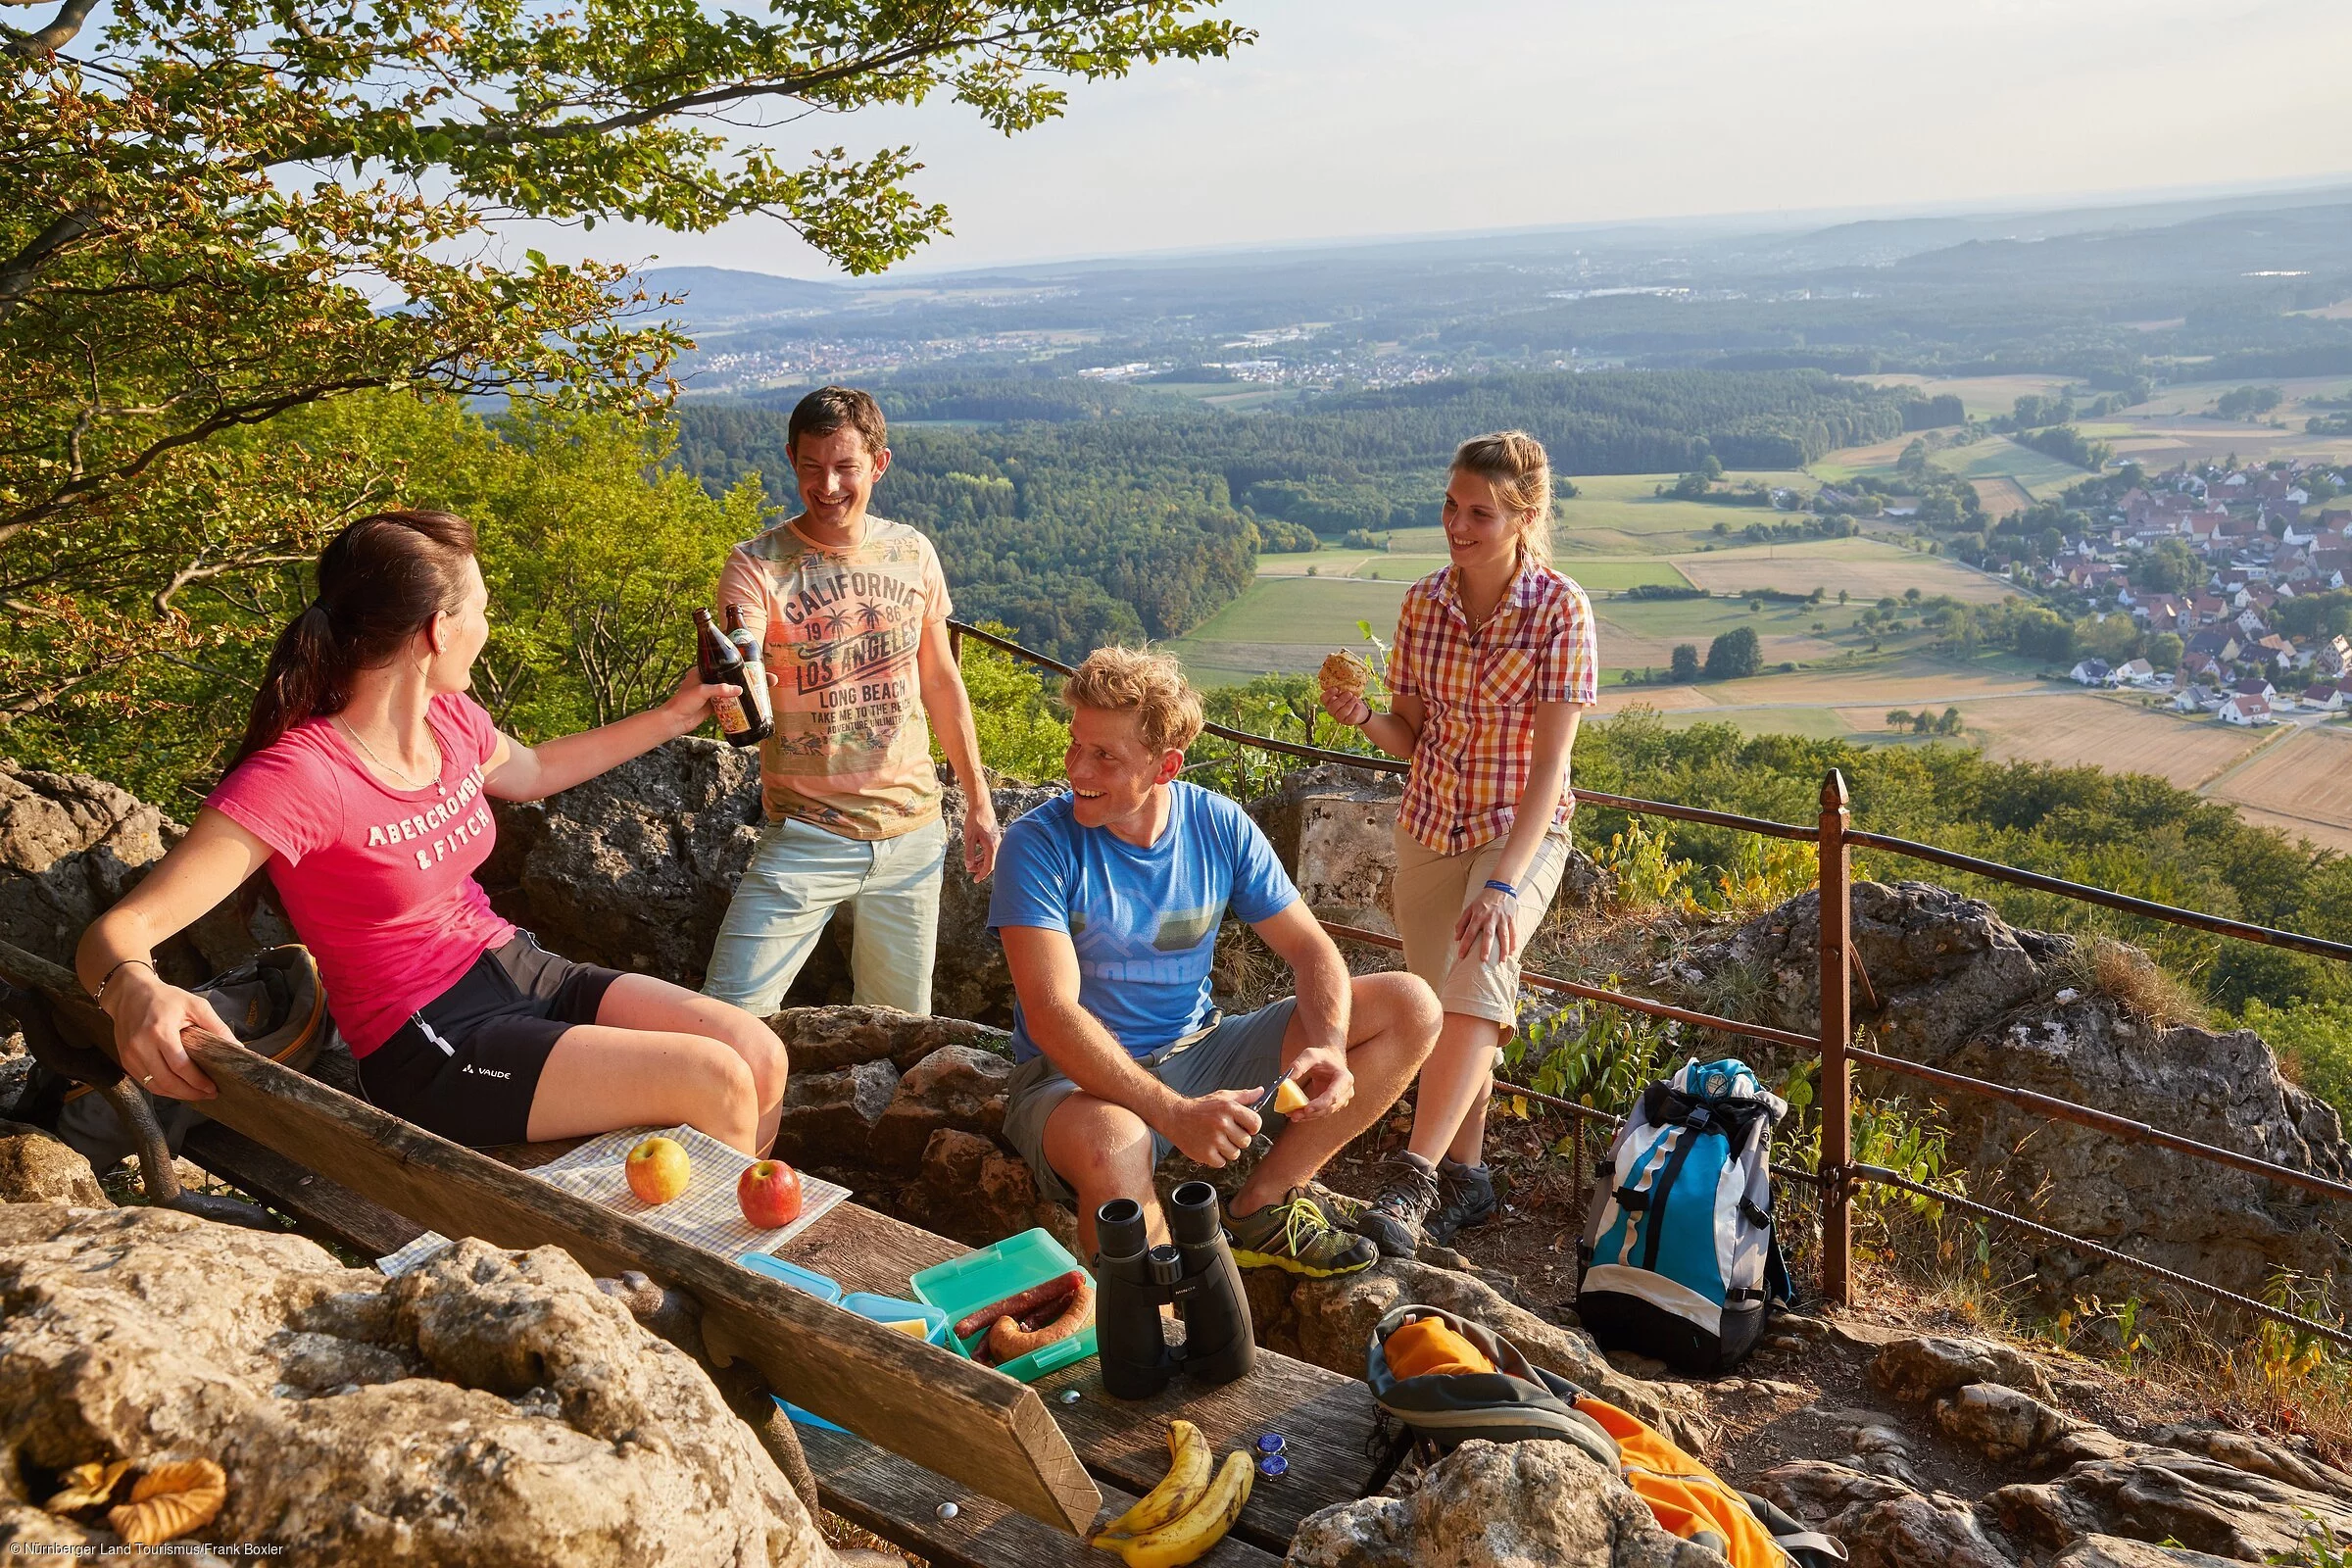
{"points": [[1273, 1464], [1270, 1443], [947, 1510]]}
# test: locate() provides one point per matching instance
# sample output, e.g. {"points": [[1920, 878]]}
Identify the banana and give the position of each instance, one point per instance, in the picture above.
{"points": [[1191, 1537], [1190, 1458]]}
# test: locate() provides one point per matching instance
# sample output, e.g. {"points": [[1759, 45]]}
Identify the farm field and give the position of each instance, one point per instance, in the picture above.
{"points": [[2298, 784], [1286, 624], [1867, 568], [2115, 733], [2037, 473], [1621, 514], [2001, 496], [1596, 574], [1983, 395]]}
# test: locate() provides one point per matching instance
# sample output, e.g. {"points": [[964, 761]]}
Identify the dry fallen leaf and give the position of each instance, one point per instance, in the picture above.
{"points": [[87, 1486], [169, 1500]]}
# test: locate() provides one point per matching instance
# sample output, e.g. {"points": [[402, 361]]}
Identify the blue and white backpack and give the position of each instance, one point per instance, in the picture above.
{"points": [[1680, 1260]]}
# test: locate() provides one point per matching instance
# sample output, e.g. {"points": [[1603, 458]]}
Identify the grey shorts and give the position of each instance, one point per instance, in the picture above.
{"points": [[1243, 1053]]}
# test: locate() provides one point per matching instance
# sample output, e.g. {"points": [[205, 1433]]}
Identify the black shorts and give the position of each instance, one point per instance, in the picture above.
{"points": [[466, 1064]]}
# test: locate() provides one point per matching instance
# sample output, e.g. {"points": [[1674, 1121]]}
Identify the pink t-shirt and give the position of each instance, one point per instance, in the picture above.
{"points": [[378, 881]]}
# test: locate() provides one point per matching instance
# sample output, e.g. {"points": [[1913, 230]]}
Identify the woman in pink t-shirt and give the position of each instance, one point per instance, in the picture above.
{"points": [[360, 787]]}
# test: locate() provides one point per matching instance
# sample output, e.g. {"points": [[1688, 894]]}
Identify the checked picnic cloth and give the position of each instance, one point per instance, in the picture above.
{"points": [[705, 1214]]}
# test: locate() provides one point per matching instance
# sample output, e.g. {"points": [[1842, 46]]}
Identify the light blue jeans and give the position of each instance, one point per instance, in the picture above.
{"points": [[798, 876]]}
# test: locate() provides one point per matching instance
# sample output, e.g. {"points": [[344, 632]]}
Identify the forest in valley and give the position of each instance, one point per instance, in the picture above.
{"points": [[1098, 517]]}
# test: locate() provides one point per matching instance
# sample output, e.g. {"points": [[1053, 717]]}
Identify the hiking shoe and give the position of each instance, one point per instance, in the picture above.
{"points": [[1407, 1192], [1293, 1232], [1465, 1197]]}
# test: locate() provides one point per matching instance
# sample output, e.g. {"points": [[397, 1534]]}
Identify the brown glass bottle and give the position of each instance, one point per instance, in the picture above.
{"points": [[722, 666], [760, 706]]}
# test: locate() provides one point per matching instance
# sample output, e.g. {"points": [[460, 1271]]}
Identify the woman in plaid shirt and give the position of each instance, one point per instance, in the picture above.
{"points": [[1494, 661]]}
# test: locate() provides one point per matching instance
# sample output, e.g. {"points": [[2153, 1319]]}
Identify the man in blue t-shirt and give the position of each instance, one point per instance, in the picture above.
{"points": [[1108, 901]]}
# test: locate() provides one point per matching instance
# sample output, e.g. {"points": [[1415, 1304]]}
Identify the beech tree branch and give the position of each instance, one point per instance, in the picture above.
{"points": [[55, 37], [19, 271]]}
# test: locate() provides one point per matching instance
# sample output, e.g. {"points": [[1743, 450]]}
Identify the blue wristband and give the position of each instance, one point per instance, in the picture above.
{"points": [[1505, 887]]}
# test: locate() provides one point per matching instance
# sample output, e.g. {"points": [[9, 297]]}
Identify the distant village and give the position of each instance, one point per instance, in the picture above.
{"points": [[2261, 543]]}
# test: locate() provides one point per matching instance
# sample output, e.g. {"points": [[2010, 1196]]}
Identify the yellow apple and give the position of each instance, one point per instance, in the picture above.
{"points": [[657, 1170]]}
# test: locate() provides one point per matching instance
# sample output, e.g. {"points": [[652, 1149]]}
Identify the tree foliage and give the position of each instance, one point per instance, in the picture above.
{"points": [[214, 212]]}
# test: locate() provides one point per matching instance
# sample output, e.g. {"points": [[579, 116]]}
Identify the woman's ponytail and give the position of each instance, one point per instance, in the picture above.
{"points": [[381, 582]]}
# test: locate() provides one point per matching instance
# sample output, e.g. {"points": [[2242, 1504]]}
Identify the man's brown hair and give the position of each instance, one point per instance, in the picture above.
{"points": [[1150, 686], [830, 407]]}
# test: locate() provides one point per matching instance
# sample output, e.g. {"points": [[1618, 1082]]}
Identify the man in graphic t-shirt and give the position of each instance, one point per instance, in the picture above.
{"points": [[1108, 901], [851, 612]]}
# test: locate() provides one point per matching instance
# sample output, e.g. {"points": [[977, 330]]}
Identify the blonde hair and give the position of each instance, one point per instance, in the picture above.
{"points": [[1150, 686], [1515, 464]]}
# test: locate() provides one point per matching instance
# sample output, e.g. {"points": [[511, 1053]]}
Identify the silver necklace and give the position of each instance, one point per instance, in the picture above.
{"points": [[344, 724]]}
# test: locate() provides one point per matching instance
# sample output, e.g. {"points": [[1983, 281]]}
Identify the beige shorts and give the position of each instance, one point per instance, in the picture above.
{"points": [[1427, 897]]}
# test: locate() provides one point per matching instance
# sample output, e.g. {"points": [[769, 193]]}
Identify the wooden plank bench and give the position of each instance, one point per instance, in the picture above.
{"points": [[1326, 1419]]}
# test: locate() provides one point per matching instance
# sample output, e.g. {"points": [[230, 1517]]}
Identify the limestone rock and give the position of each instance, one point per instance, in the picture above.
{"points": [[1330, 1323], [1884, 1522], [2112, 1551], [36, 1168], [829, 1117], [1961, 990], [1817, 1491], [970, 979], [2257, 1455], [1918, 1531], [2003, 1423], [1333, 829], [490, 1408], [15, 1072], [823, 1039], [1930, 1367], [1497, 1505], [2159, 1495], [633, 868], [972, 1191], [954, 1087]]}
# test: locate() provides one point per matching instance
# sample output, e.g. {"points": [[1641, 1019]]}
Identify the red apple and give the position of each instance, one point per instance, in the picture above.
{"points": [[769, 1192]]}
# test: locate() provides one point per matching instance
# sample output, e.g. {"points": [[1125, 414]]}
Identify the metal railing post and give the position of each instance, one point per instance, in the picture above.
{"points": [[956, 644], [1836, 1032]]}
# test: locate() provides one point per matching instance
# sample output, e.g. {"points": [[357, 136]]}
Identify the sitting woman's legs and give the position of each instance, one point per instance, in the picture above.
{"points": [[640, 1002], [659, 1054]]}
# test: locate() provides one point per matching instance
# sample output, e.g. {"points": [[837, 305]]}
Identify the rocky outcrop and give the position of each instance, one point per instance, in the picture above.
{"points": [[2103, 1500], [1958, 987], [1334, 828], [36, 1168], [972, 1190], [1497, 1505], [69, 846], [634, 869], [490, 1408], [823, 1039]]}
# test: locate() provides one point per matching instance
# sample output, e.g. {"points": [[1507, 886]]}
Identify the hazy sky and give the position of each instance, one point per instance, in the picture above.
{"points": [[1353, 118]]}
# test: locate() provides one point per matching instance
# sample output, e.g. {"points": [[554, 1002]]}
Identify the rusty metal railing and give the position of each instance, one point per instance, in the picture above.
{"points": [[1833, 837]]}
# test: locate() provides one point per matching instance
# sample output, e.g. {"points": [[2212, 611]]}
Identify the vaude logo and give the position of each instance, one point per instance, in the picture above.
{"points": [[486, 1072]]}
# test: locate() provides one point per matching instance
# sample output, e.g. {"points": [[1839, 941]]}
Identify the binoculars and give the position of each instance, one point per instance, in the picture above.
{"points": [[1196, 1272]]}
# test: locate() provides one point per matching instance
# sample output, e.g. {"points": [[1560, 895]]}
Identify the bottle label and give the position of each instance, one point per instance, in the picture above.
{"points": [[729, 708], [755, 691]]}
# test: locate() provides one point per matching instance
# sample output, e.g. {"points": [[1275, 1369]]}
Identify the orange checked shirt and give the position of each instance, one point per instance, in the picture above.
{"points": [[1479, 689]]}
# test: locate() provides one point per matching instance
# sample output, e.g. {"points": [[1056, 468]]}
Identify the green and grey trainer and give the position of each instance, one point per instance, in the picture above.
{"points": [[1294, 1233]]}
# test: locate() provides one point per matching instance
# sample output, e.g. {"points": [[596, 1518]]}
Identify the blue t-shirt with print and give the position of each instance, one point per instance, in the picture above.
{"points": [[1143, 921]]}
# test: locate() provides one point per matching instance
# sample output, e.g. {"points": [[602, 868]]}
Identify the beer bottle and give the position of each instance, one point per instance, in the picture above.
{"points": [[746, 643], [722, 666]]}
